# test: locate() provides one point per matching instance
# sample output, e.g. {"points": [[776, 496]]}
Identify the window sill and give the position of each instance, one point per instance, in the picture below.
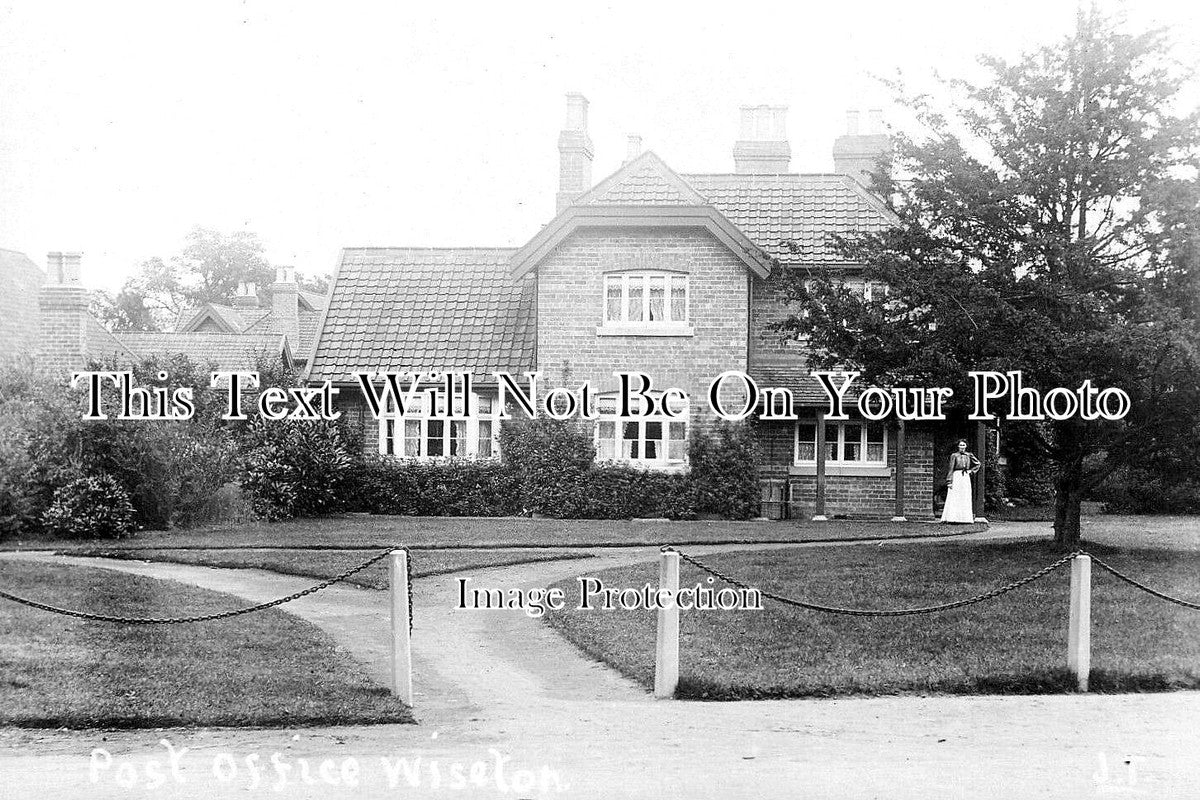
{"points": [[645, 329], [838, 468], [649, 465]]}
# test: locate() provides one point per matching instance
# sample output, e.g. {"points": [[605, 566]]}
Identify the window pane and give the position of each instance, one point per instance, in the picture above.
{"points": [[806, 433], [875, 451], [484, 405], [853, 443], [677, 431], [458, 438], [658, 294], [636, 287], [654, 435], [676, 450], [484, 448], [435, 445], [606, 446], [630, 441], [389, 431], [412, 438], [832, 451], [607, 405], [612, 303], [679, 299], [806, 451]]}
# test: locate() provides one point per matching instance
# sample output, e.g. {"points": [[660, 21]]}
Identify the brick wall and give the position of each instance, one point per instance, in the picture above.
{"points": [[570, 303], [20, 283], [854, 496], [62, 343]]}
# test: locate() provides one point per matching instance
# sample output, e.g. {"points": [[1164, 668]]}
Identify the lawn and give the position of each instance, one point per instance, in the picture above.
{"points": [[362, 531], [328, 563], [268, 668], [1013, 644]]}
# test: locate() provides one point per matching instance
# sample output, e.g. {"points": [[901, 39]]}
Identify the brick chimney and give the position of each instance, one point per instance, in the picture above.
{"points": [[285, 307], [246, 297], [633, 147], [762, 146], [859, 154], [574, 153], [62, 306]]}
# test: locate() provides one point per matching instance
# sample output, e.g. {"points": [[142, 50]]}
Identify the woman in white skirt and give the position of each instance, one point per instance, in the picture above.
{"points": [[960, 506]]}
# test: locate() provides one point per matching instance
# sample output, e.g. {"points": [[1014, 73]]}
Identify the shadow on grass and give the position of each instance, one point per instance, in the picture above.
{"points": [[1051, 681]]}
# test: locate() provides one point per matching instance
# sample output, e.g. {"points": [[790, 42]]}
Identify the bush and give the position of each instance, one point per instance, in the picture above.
{"points": [[450, 488], [724, 471], [616, 492], [1142, 491], [296, 468], [94, 507], [549, 459]]}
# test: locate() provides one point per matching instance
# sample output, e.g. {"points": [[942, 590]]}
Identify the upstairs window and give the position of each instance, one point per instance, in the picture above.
{"points": [[646, 302]]}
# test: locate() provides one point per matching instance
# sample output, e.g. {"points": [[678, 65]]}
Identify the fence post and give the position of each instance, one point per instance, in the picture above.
{"points": [[401, 636], [1079, 628], [666, 653]]}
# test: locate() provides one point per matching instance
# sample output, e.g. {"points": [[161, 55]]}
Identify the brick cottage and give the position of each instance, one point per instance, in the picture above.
{"points": [[646, 270]]}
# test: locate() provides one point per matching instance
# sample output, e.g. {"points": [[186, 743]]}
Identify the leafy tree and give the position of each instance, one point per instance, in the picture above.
{"points": [[1047, 222], [214, 263]]}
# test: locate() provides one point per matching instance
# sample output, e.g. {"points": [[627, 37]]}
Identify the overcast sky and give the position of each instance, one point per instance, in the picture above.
{"points": [[325, 125]]}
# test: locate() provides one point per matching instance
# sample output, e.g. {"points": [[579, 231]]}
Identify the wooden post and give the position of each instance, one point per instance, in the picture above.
{"points": [[981, 475], [401, 636], [900, 476], [666, 652], [819, 511], [1079, 628]]}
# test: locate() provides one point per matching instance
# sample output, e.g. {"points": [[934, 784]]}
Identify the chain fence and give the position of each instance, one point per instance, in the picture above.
{"points": [[220, 615], [713, 571], [904, 612]]}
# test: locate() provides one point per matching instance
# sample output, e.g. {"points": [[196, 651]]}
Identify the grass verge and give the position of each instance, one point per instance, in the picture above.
{"points": [[266, 669], [1015, 644], [323, 564], [364, 532]]}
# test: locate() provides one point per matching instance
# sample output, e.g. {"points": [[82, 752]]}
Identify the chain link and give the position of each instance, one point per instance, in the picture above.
{"points": [[877, 612], [211, 617], [1138, 584]]}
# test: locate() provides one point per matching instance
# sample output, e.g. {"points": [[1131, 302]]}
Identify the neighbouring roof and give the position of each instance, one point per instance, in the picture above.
{"points": [[394, 309], [807, 209], [103, 345], [226, 350], [234, 320]]}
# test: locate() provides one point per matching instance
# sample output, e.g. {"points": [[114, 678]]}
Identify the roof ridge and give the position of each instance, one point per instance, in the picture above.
{"points": [[426, 249]]}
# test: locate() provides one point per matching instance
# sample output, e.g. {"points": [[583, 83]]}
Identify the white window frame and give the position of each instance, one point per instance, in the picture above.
{"points": [[392, 430], [668, 326], [835, 434], [663, 460]]}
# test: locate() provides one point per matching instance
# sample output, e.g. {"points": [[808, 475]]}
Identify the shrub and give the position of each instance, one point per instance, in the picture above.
{"points": [[617, 492], [549, 459], [450, 488], [1141, 491], [93, 507], [296, 468], [724, 471]]}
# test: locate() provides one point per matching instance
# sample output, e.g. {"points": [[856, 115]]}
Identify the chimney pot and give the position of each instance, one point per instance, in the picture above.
{"points": [[763, 146], [633, 147], [876, 118], [851, 123], [64, 268]]}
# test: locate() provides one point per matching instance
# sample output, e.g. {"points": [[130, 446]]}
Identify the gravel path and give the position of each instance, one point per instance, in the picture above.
{"points": [[498, 688]]}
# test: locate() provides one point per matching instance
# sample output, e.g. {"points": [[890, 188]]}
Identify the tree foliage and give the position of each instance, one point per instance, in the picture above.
{"points": [[1046, 221]]}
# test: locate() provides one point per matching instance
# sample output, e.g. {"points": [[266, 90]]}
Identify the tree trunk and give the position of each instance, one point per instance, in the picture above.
{"points": [[1068, 493]]}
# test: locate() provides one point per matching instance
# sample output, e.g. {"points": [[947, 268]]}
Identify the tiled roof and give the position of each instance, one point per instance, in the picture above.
{"points": [[225, 350], [102, 345], [309, 321], [236, 319], [772, 209], [426, 309], [645, 181], [20, 282]]}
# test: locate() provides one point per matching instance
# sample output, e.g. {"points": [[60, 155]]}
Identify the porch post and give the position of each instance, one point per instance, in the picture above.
{"points": [[819, 516], [981, 476], [900, 475]]}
